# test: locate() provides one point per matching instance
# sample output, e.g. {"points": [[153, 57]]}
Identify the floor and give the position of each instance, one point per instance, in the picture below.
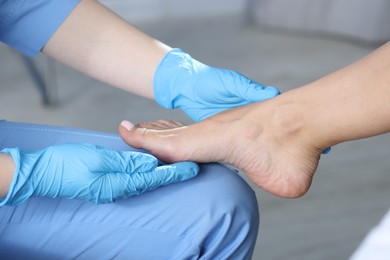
{"points": [[350, 192]]}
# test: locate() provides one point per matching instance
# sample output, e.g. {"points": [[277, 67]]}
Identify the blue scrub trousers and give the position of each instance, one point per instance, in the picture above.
{"points": [[213, 216]]}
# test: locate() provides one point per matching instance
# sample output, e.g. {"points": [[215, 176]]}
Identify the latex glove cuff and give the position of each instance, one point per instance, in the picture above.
{"points": [[175, 64]]}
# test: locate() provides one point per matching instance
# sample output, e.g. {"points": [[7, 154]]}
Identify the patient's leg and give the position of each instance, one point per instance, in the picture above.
{"points": [[278, 142], [213, 216]]}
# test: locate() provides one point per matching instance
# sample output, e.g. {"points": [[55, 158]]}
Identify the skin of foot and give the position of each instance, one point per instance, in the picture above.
{"points": [[274, 151]]}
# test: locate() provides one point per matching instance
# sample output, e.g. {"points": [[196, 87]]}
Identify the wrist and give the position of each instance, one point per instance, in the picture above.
{"points": [[7, 170], [172, 74], [20, 188]]}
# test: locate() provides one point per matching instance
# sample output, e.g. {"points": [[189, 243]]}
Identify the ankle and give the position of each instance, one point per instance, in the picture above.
{"points": [[288, 120], [293, 122]]}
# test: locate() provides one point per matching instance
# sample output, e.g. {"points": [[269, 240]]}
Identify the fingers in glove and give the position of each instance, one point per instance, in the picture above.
{"points": [[124, 161], [114, 186], [260, 93], [164, 175]]}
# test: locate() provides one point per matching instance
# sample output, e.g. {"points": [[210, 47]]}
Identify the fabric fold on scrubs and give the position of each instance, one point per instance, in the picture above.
{"points": [[28, 25]]}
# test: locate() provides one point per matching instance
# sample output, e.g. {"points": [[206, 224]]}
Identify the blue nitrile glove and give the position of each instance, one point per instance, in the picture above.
{"points": [[89, 172], [202, 91]]}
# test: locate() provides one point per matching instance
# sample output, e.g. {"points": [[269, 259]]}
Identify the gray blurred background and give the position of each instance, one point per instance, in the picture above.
{"points": [[280, 42]]}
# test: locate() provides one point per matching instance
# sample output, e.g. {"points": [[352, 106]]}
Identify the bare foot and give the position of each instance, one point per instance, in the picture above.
{"points": [[270, 145]]}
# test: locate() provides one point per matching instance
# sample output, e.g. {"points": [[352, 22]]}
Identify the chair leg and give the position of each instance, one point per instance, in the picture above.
{"points": [[249, 12], [42, 70]]}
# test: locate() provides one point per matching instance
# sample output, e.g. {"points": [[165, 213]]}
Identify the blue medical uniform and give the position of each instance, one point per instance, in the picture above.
{"points": [[27, 25], [213, 216]]}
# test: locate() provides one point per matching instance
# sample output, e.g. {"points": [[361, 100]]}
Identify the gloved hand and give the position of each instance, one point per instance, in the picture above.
{"points": [[89, 172], [200, 90]]}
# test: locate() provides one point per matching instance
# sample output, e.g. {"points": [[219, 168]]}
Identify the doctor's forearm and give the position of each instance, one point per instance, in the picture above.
{"points": [[100, 44]]}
